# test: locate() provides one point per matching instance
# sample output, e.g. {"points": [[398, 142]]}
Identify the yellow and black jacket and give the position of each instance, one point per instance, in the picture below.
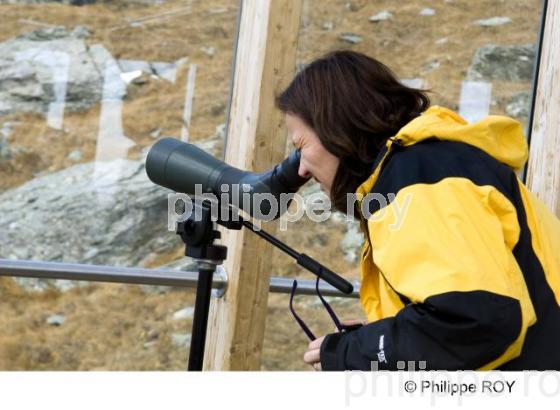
{"points": [[461, 267]]}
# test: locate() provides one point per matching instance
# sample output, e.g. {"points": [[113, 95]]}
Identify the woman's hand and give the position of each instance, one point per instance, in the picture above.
{"points": [[313, 354]]}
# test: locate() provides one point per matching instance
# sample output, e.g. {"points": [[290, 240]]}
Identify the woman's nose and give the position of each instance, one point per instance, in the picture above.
{"points": [[303, 172]]}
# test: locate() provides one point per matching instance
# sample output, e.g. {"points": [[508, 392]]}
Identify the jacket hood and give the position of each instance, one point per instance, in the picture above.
{"points": [[502, 137], [499, 136]]}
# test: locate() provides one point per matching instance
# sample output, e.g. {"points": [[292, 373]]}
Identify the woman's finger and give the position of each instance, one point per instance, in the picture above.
{"points": [[354, 322], [311, 356]]}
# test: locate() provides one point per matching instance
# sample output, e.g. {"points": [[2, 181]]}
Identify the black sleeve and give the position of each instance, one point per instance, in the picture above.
{"points": [[450, 331]]}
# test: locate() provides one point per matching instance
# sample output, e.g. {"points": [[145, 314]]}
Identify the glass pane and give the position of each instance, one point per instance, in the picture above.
{"points": [[86, 87], [476, 57]]}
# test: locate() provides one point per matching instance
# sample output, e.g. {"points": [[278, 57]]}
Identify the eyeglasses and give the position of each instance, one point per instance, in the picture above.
{"points": [[341, 327]]}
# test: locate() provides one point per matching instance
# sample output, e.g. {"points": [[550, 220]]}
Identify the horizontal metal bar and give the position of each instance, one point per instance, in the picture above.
{"points": [[101, 273], [140, 276], [307, 287]]}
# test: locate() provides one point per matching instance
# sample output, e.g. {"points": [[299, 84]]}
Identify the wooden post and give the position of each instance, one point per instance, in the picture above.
{"points": [[265, 63], [543, 176]]}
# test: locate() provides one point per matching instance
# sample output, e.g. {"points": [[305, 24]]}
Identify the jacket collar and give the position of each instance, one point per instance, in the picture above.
{"points": [[367, 186], [502, 137]]}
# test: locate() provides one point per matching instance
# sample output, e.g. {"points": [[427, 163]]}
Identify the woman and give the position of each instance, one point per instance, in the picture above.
{"points": [[469, 278]]}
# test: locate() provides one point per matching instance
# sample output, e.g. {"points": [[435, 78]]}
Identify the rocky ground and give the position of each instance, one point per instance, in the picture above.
{"points": [[57, 204]]}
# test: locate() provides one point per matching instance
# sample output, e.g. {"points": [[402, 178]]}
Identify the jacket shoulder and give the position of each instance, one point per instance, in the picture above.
{"points": [[432, 160]]}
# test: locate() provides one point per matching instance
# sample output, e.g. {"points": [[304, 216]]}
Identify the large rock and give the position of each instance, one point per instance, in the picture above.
{"points": [[51, 70], [49, 66], [106, 214], [518, 106], [506, 63]]}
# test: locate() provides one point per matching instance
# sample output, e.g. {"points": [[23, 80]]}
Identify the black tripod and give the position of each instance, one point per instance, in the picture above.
{"points": [[198, 234]]}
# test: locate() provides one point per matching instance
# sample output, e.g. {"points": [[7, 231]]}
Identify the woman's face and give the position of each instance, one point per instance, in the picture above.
{"points": [[316, 161]]}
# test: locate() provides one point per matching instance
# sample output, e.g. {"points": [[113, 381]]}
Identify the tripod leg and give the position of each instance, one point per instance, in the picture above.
{"points": [[200, 321]]}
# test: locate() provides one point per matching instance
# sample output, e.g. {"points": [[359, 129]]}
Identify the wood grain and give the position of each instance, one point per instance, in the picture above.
{"points": [[543, 174], [265, 63]]}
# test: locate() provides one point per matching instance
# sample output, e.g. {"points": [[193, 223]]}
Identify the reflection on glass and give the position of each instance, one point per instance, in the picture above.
{"points": [[474, 103], [85, 89]]}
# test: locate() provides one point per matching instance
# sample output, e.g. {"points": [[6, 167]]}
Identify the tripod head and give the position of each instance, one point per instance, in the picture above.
{"points": [[198, 233]]}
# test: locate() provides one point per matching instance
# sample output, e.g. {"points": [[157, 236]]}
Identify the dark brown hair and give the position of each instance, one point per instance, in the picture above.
{"points": [[354, 103]]}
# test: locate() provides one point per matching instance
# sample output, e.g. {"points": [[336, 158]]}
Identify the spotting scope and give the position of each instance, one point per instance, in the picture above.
{"points": [[181, 166]]}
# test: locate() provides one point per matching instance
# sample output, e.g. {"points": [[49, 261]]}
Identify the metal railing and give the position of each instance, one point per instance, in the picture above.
{"points": [[140, 276]]}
